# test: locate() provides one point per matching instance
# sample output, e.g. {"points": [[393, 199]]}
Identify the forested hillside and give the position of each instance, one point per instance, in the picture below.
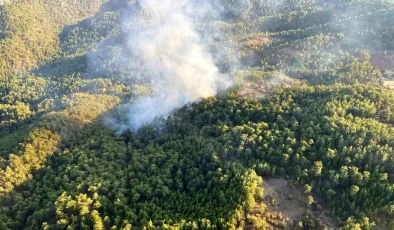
{"points": [[153, 114]]}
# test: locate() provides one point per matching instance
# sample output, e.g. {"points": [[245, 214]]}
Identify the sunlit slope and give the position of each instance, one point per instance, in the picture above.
{"points": [[29, 31]]}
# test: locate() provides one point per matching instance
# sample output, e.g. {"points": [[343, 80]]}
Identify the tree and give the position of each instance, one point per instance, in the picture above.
{"points": [[318, 167]]}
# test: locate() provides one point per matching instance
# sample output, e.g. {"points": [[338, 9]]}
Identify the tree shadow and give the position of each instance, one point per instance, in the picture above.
{"points": [[12, 134], [62, 67], [76, 62], [116, 5]]}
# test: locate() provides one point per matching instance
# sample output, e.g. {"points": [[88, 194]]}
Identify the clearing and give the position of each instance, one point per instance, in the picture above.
{"points": [[283, 196], [250, 89], [385, 61]]}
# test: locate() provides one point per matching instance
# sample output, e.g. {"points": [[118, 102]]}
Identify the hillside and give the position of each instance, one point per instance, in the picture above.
{"points": [[194, 114]]}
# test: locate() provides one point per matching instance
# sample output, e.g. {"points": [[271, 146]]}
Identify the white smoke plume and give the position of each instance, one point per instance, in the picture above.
{"points": [[181, 68]]}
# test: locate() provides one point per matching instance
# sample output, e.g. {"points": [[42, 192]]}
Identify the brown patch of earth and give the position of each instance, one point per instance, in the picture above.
{"points": [[389, 83], [258, 92], [385, 61], [257, 41], [289, 201], [250, 89], [263, 89]]}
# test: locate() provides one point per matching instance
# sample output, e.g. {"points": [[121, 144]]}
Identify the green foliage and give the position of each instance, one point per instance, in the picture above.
{"points": [[30, 38], [189, 174], [63, 69], [352, 224]]}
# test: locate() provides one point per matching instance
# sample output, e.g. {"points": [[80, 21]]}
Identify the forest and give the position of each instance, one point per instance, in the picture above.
{"points": [[303, 93]]}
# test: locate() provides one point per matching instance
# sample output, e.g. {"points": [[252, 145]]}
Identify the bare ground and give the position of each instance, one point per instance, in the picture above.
{"points": [[385, 61], [259, 92], [250, 89], [289, 202], [389, 84]]}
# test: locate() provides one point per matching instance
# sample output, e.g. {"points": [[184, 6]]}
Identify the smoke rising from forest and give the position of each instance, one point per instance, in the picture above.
{"points": [[173, 56], [179, 66]]}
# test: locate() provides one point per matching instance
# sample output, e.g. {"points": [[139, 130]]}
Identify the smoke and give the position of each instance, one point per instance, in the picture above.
{"points": [[173, 46], [172, 52]]}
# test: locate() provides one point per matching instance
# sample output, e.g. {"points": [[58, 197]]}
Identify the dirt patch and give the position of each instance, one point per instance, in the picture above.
{"points": [[284, 197], [251, 88], [249, 91], [383, 60], [264, 88], [389, 84], [257, 41]]}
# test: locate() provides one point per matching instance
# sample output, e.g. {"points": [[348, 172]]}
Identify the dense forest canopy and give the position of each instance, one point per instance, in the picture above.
{"points": [[166, 114]]}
